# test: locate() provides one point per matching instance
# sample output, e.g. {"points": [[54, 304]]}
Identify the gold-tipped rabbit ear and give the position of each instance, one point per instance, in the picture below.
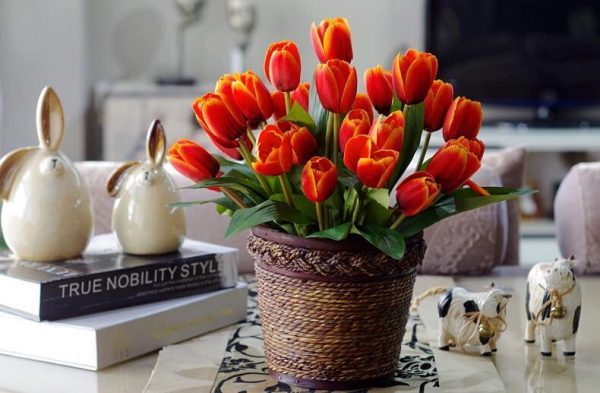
{"points": [[50, 119], [156, 143], [117, 177], [9, 166]]}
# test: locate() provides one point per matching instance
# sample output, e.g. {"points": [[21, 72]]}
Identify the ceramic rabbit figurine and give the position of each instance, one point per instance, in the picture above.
{"points": [[142, 218], [46, 215]]}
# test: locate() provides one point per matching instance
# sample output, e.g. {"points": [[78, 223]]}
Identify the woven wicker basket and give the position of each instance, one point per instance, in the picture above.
{"points": [[333, 313]]}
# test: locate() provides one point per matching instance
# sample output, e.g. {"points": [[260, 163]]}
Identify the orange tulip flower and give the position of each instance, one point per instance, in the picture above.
{"points": [[413, 74], [248, 94], [455, 162], [335, 82], [371, 166], [319, 178], [362, 101], [304, 144], [416, 193], [300, 95], [282, 65], [221, 124], [192, 160], [331, 40], [274, 152], [356, 122], [378, 83], [464, 118], [437, 102], [389, 132]]}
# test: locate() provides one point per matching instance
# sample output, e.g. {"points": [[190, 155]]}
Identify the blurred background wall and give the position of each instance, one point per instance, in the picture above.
{"points": [[73, 44]]}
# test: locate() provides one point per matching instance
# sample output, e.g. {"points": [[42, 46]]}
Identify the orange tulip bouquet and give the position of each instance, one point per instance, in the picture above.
{"points": [[313, 161]]}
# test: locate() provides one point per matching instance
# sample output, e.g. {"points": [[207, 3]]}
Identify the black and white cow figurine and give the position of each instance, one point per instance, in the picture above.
{"points": [[472, 318], [553, 303]]}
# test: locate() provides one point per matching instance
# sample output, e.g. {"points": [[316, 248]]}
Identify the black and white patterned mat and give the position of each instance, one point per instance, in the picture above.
{"points": [[244, 370]]}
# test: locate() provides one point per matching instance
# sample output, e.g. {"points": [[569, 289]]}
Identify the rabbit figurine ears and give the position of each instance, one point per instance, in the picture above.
{"points": [[50, 123], [156, 150]]}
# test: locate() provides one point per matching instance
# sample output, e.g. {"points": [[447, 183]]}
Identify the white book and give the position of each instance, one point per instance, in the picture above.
{"points": [[99, 340]]}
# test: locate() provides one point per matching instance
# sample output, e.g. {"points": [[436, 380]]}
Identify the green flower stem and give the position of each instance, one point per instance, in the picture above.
{"points": [[397, 222], [424, 151], [319, 208], [336, 136], [288, 101], [247, 155], [251, 136], [287, 191], [231, 195], [328, 134]]}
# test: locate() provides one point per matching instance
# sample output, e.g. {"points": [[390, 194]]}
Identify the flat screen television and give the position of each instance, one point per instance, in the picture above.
{"points": [[532, 61]]}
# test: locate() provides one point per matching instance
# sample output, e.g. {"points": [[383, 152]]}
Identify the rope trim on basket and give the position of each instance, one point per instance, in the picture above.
{"points": [[370, 263]]}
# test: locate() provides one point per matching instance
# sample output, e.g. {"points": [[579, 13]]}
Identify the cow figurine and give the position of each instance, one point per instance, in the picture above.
{"points": [[472, 318], [553, 303]]}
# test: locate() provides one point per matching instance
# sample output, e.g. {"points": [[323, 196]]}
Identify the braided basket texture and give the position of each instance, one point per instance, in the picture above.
{"points": [[332, 313]]}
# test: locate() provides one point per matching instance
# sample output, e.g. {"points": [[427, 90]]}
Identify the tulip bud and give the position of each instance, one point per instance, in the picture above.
{"points": [[464, 118], [389, 132], [335, 82], [282, 65], [455, 162], [246, 94], [413, 74], [304, 144], [437, 102], [355, 123], [192, 160], [331, 40], [214, 116], [378, 83], [372, 167], [362, 101], [319, 178], [416, 193], [274, 152]]}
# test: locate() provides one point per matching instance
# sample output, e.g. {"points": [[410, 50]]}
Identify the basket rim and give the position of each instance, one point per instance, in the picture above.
{"points": [[353, 243]]}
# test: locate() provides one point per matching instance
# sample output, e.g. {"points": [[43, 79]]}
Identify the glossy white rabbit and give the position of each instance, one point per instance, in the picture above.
{"points": [[143, 219], [46, 214]]}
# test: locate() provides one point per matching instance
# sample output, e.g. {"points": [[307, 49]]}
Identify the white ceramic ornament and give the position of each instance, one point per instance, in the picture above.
{"points": [[46, 215], [553, 305], [142, 218], [472, 318]]}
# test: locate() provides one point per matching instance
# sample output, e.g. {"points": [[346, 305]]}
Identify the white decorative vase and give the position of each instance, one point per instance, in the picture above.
{"points": [[46, 214], [143, 219]]}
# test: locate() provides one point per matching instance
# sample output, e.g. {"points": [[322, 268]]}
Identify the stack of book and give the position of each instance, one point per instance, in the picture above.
{"points": [[107, 307]]}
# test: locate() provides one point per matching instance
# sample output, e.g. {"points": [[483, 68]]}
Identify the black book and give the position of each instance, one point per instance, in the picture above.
{"points": [[104, 278]]}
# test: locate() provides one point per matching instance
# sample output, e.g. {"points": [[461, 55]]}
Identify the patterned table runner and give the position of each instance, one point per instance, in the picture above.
{"points": [[244, 370]]}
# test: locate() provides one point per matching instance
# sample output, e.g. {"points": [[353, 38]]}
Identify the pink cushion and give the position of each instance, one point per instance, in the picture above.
{"points": [[577, 216]]}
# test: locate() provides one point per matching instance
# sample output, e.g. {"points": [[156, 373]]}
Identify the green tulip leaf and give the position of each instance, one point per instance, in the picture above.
{"points": [[397, 105], [457, 202], [336, 233], [318, 114], [244, 185], [299, 116], [413, 128], [301, 203], [268, 211], [386, 240], [228, 165], [467, 199]]}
